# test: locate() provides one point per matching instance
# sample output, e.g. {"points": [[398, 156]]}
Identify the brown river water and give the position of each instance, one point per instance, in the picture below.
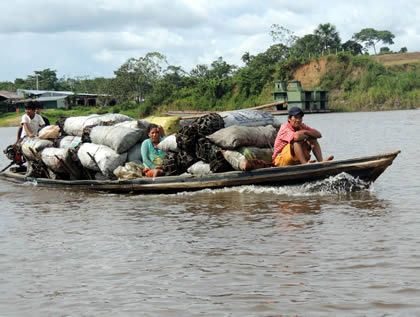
{"points": [[310, 250]]}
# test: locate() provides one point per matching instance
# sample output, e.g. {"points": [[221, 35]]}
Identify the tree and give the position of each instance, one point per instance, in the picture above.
{"points": [[44, 79], [283, 35], [246, 58], [7, 85], [200, 71], [329, 36], [370, 37], [403, 50], [385, 50], [221, 69], [307, 45], [136, 77], [353, 47], [259, 69]]}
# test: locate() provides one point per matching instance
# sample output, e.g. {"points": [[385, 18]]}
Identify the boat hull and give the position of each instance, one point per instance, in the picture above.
{"points": [[367, 169]]}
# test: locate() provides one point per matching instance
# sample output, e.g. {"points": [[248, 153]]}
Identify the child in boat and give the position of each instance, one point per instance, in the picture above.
{"points": [[151, 156], [295, 141], [38, 111], [30, 123]]}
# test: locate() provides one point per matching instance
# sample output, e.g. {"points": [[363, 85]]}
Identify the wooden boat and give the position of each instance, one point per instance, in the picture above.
{"points": [[367, 169]]}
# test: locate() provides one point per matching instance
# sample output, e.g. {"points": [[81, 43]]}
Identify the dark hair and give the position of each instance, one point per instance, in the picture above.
{"points": [[152, 126], [37, 104], [30, 105]]}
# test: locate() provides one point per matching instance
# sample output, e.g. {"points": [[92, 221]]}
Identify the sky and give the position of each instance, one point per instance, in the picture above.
{"points": [[93, 38]]}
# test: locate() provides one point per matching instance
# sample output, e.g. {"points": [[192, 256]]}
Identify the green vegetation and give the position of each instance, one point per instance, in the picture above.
{"points": [[149, 85], [360, 83]]}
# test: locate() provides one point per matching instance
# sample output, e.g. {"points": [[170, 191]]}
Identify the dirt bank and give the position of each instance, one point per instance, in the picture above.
{"points": [[309, 74]]}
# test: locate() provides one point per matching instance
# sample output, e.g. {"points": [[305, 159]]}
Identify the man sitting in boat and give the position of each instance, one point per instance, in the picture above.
{"points": [[151, 156], [295, 141]]}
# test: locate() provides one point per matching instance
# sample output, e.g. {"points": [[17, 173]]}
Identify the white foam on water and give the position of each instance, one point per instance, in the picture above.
{"points": [[339, 184], [31, 183]]}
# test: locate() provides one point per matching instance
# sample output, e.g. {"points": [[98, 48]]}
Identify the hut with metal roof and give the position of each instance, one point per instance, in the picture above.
{"points": [[7, 99]]}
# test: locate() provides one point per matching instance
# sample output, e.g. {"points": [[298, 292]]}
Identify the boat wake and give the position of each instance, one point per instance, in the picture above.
{"points": [[30, 183], [339, 184]]}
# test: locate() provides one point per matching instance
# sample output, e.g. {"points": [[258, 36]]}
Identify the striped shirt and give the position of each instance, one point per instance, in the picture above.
{"points": [[285, 136]]}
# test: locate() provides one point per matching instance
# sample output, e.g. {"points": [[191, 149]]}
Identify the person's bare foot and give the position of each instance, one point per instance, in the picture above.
{"points": [[311, 161], [329, 158]]}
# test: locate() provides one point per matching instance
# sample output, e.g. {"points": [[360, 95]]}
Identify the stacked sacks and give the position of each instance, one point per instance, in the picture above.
{"points": [[190, 142], [75, 125], [106, 147], [45, 160], [88, 147], [246, 143], [246, 147]]}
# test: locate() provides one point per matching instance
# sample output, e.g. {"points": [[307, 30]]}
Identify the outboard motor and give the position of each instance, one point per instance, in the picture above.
{"points": [[14, 154]]}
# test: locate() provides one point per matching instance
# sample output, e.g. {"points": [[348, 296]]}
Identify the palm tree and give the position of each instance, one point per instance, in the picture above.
{"points": [[328, 35]]}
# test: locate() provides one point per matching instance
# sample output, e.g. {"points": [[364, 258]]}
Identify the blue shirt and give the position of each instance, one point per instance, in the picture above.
{"points": [[149, 153]]}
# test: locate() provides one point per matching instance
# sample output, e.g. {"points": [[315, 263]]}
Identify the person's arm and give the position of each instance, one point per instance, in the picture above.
{"points": [[313, 134], [306, 132], [145, 155], [19, 133], [161, 131], [28, 132]]}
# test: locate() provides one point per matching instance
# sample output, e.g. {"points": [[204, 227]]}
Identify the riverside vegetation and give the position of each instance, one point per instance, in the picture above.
{"points": [[149, 85]]}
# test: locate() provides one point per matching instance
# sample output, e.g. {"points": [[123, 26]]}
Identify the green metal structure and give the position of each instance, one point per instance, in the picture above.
{"points": [[308, 100]]}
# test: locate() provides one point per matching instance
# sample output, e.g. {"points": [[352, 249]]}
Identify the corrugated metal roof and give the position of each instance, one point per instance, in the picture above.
{"points": [[40, 99], [41, 92], [52, 98], [9, 95]]}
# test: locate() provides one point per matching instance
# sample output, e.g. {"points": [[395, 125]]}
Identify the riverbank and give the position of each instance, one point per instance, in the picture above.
{"points": [[355, 83]]}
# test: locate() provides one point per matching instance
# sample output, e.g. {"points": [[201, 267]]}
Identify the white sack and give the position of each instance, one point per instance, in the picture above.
{"points": [[199, 169], [49, 132], [107, 118], [59, 160], [135, 124], [106, 158], [32, 147], [130, 170], [235, 136], [235, 159], [248, 118], [120, 139], [70, 142], [75, 125], [168, 144]]}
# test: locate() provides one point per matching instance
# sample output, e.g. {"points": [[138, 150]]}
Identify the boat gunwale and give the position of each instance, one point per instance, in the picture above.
{"points": [[215, 180]]}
